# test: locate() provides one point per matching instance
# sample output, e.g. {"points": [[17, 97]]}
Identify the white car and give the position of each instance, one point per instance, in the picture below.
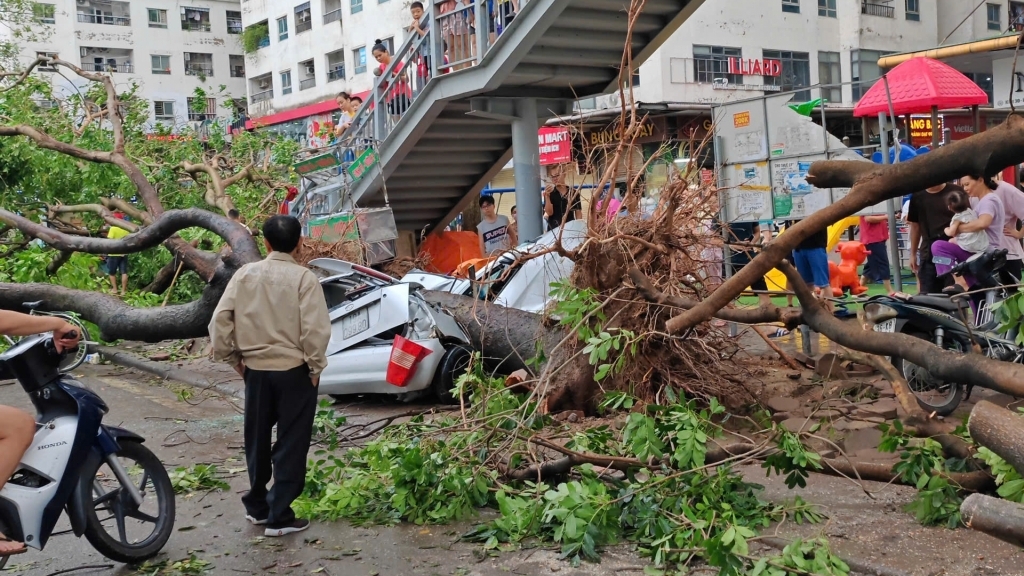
{"points": [[525, 286], [386, 339]]}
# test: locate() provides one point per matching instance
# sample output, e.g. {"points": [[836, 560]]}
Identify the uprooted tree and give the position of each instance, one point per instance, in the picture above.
{"points": [[73, 156]]}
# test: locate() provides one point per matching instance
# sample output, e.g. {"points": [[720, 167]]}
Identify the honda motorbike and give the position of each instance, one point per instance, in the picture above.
{"points": [[113, 489], [951, 323]]}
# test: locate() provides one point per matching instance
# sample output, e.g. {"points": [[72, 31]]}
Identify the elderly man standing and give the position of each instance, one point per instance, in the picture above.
{"points": [[272, 325]]}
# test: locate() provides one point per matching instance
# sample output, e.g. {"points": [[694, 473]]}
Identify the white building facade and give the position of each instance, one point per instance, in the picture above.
{"points": [[729, 50], [315, 50], [167, 48]]}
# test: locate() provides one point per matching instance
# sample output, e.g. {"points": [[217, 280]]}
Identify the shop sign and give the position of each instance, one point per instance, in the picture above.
{"points": [[707, 176], [723, 84], [753, 67], [646, 131], [316, 164], [921, 130], [555, 145], [1004, 79], [367, 160], [741, 119], [960, 127]]}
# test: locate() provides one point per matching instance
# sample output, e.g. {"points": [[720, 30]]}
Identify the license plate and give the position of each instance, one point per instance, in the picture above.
{"points": [[355, 323], [887, 326]]}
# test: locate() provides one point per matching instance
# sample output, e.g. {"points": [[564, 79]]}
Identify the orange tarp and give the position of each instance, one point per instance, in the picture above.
{"points": [[449, 249]]}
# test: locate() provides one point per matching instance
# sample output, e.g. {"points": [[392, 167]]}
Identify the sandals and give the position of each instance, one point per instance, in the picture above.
{"points": [[15, 552]]}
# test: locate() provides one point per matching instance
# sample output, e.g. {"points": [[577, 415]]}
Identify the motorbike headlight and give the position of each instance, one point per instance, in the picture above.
{"points": [[875, 312]]}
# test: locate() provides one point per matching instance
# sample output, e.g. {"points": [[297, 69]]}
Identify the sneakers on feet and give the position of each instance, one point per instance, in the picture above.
{"points": [[292, 527], [255, 521]]}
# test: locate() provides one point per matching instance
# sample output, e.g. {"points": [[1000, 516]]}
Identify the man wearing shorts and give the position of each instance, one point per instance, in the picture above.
{"points": [[811, 260], [874, 233], [118, 262]]}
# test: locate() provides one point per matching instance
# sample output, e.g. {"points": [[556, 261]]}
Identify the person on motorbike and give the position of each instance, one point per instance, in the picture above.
{"points": [[17, 428], [991, 214]]}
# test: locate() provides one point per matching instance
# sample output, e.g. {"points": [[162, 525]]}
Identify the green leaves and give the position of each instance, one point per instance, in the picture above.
{"points": [[197, 477], [641, 437], [793, 459]]}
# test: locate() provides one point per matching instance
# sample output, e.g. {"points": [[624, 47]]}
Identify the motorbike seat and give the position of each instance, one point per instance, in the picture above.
{"points": [[935, 301], [32, 305]]}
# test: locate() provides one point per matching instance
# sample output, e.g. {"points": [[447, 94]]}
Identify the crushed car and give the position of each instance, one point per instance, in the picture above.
{"points": [[385, 338]]}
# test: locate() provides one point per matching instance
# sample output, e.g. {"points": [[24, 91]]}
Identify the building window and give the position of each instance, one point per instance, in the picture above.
{"points": [[711, 63], [995, 17], [357, 6], [827, 8], [44, 13], [389, 43], [46, 67], [864, 70], [286, 82], [829, 72], [195, 19], [332, 11], [914, 10], [1016, 16], [234, 22], [157, 18], [307, 75], [161, 64], [791, 6], [236, 63], [796, 72], [261, 89], [200, 109], [303, 21], [336, 65], [197, 64], [359, 58], [282, 28], [163, 110]]}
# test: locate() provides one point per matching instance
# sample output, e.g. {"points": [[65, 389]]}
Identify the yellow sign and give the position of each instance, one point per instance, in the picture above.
{"points": [[741, 119]]}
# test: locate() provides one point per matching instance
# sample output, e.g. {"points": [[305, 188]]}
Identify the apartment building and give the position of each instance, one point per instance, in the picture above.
{"points": [[312, 51], [744, 48], [167, 48]]}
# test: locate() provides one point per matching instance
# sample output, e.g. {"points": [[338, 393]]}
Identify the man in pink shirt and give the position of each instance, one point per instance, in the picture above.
{"points": [[874, 232]]}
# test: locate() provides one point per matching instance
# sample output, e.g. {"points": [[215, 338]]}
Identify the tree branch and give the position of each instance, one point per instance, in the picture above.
{"points": [[988, 152]]}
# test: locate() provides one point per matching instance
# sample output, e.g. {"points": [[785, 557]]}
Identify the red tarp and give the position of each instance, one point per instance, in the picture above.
{"points": [[918, 84]]}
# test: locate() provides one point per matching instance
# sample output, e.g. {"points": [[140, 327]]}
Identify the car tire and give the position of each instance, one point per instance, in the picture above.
{"points": [[453, 364]]}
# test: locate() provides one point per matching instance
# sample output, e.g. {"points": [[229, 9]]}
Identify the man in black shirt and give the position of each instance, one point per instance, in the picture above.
{"points": [[741, 236], [559, 197], [928, 216]]}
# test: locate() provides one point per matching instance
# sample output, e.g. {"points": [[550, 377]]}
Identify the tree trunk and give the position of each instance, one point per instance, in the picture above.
{"points": [[162, 279], [59, 260], [995, 517], [505, 336], [117, 320], [999, 430]]}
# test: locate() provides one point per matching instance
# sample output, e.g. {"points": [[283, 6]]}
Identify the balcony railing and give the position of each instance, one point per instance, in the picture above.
{"points": [[332, 16], [872, 9], [262, 96], [307, 83], [194, 69], [193, 26], [104, 19], [199, 116], [303, 26], [234, 25], [97, 67], [336, 74]]}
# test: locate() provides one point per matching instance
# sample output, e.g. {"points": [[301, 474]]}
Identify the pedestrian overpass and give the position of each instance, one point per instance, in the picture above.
{"points": [[443, 130]]}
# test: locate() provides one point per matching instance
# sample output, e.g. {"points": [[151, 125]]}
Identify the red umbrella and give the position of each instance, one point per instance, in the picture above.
{"points": [[920, 85]]}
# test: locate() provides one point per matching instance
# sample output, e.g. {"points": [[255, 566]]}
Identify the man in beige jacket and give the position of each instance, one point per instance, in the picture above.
{"points": [[272, 325]]}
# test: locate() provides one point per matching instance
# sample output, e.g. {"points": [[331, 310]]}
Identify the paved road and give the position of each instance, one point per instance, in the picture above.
{"points": [[212, 527]]}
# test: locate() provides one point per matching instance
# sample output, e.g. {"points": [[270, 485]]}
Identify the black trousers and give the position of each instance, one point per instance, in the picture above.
{"points": [[928, 281], [287, 399]]}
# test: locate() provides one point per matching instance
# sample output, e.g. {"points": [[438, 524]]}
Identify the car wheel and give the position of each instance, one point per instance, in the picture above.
{"points": [[453, 364]]}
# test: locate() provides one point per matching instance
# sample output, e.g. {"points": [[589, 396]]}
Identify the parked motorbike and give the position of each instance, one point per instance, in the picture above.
{"points": [[114, 490], [948, 323]]}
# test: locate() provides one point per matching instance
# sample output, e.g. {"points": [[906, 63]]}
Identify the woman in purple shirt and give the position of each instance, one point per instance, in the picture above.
{"points": [[991, 214]]}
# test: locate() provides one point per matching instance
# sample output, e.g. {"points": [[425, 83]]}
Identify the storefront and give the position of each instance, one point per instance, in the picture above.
{"points": [[310, 126]]}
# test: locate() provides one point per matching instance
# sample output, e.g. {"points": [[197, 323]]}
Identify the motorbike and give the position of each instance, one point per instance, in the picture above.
{"points": [[114, 490], [949, 323]]}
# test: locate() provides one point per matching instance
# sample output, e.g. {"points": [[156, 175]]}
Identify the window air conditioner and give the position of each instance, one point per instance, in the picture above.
{"points": [[264, 83], [310, 69]]}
